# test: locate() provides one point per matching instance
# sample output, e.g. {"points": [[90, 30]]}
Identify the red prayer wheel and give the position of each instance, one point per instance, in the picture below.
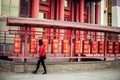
{"points": [[17, 45]]}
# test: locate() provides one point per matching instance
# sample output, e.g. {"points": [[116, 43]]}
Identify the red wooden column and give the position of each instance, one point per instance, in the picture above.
{"points": [[57, 11], [88, 18], [81, 10], [61, 15], [77, 12], [49, 31], [88, 13], [34, 11], [97, 13], [72, 11], [52, 9], [96, 17], [81, 14]]}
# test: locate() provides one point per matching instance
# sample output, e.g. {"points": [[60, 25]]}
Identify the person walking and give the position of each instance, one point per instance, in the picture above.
{"points": [[41, 58]]}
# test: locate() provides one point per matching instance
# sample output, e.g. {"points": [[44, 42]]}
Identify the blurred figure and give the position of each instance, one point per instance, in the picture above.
{"points": [[41, 58]]}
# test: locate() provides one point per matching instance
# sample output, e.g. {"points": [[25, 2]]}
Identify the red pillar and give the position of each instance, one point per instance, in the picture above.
{"points": [[96, 13], [88, 19], [61, 15], [77, 12], [35, 9], [52, 10], [25, 44], [57, 11], [49, 31], [34, 12], [72, 11], [81, 5], [88, 14], [81, 13], [96, 18]]}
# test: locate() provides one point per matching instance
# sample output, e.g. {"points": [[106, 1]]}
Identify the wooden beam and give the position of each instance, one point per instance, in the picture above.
{"points": [[30, 22]]}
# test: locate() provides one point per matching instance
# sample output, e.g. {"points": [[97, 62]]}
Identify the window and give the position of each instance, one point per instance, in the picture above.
{"points": [[65, 19], [109, 12], [10, 7], [44, 0], [66, 3], [42, 15], [109, 19]]}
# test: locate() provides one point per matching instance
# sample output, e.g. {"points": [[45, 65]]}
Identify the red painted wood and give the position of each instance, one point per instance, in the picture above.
{"points": [[44, 8], [52, 10], [61, 15], [60, 24], [35, 9], [110, 47], [77, 13], [34, 12], [81, 10], [85, 48], [72, 12], [96, 13], [93, 47], [88, 14]]}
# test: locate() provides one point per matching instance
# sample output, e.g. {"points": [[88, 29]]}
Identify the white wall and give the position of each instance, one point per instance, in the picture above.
{"points": [[102, 12], [0, 7], [116, 13], [116, 16]]}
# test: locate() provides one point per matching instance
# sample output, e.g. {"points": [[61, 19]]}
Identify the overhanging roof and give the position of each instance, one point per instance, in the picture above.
{"points": [[30, 22]]}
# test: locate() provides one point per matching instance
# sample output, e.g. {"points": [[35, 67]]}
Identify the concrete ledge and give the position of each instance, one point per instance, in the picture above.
{"points": [[53, 67]]}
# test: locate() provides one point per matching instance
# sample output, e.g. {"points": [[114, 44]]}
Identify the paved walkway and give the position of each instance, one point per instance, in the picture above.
{"points": [[103, 74]]}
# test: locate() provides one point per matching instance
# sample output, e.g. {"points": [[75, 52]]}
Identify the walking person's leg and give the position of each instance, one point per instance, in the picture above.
{"points": [[38, 65], [44, 67]]}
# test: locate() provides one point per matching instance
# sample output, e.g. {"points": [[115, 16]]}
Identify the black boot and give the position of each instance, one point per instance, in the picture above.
{"points": [[34, 72], [44, 73]]}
